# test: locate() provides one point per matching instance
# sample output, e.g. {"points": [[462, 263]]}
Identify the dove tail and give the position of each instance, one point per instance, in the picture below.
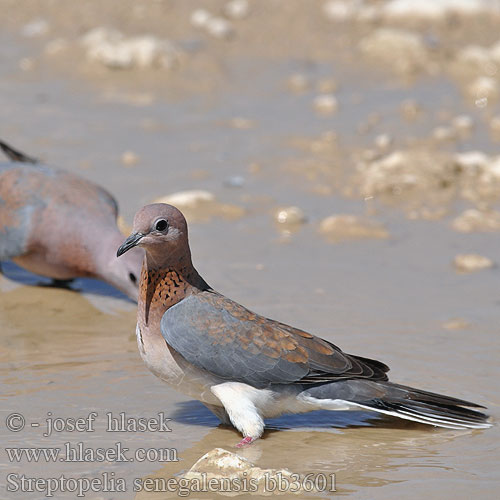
{"points": [[407, 403]]}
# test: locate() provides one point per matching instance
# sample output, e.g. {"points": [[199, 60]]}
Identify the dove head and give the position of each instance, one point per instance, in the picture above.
{"points": [[161, 230]]}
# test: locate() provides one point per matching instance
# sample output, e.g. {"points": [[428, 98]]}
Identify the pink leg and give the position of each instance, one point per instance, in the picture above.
{"points": [[245, 442]]}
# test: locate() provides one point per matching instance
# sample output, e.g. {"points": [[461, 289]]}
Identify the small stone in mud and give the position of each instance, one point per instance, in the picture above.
{"points": [[116, 51], [201, 206], [483, 87], [463, 123], [406, 172], [325, 104], [403, 50], [298, 82], [456, 324], [241, 123], [472, 262], [219, 464], [443, 134], [199, 18], [129, 158], [434, 9], [474, 220], [235, 181], [290, 216], [237, 9], [339, 11], [220, 28], [188, 199], [338, 228], [383, 142], [35, 28]]}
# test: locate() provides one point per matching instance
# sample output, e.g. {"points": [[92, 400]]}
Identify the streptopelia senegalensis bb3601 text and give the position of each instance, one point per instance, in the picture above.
{"points": [[56, 224], [245, 367]]}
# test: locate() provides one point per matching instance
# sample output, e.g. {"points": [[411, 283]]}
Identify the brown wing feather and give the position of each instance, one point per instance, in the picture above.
{"points": [[225, 338]]}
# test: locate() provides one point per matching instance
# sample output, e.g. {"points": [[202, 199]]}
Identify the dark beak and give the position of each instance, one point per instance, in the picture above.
{"points": [[129, 243]]}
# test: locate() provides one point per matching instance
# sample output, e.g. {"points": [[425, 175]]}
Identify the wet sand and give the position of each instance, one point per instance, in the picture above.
{"points": [[227, 117]]}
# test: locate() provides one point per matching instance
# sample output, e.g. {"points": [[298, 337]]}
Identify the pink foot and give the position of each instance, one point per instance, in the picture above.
{"points": [[245, 442]]}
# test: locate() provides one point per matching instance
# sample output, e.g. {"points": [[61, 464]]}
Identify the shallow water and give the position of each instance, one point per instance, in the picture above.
{"points": [[73, 352]]}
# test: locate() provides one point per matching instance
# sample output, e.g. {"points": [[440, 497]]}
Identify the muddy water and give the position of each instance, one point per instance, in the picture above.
{"points": [[72, 352]]}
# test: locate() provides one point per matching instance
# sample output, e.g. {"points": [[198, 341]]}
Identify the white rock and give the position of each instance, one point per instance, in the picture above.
{"points": [[383, 142], [235, 181], [188, 199], [474, 55], [406, 172], [436, 9], [325, 104], [472, 161], [472, 262], [473, 220], [237, 9], [290, 216], [442, 133], [219, 464], [369, 13], [100, 35], [481, 102], [35, 28], [463, 123], [484, 87], [241, 123], [494, 167], [337, 10], [129, 158], [200, 17], [112, 49], [403, 50], [219, 27], [201, 206], [456, 324], [338, 228]]}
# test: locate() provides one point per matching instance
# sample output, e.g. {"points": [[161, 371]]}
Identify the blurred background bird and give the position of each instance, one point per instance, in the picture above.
{"points": [[59, 225]]}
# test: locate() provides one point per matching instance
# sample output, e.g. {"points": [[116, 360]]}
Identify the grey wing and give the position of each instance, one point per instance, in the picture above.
{"points": [[224, 338], [236, 349]]}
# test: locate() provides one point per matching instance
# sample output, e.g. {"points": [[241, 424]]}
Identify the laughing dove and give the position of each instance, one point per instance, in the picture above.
{"points": [[56, 224], [245, 367]]}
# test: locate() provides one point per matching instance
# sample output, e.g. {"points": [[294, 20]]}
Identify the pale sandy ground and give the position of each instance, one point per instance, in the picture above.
{"points": [[227, 111]]}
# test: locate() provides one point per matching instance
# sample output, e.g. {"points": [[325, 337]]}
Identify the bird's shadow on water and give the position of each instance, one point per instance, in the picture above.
{"points": [[195, 413], [79, 285]]}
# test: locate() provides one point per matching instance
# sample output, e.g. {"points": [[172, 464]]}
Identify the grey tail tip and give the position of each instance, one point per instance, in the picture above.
{"points": [[15, 155], [432, 409]]}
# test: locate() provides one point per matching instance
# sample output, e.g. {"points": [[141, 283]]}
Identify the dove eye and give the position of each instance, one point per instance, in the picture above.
{"points": [[161, 225]]}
